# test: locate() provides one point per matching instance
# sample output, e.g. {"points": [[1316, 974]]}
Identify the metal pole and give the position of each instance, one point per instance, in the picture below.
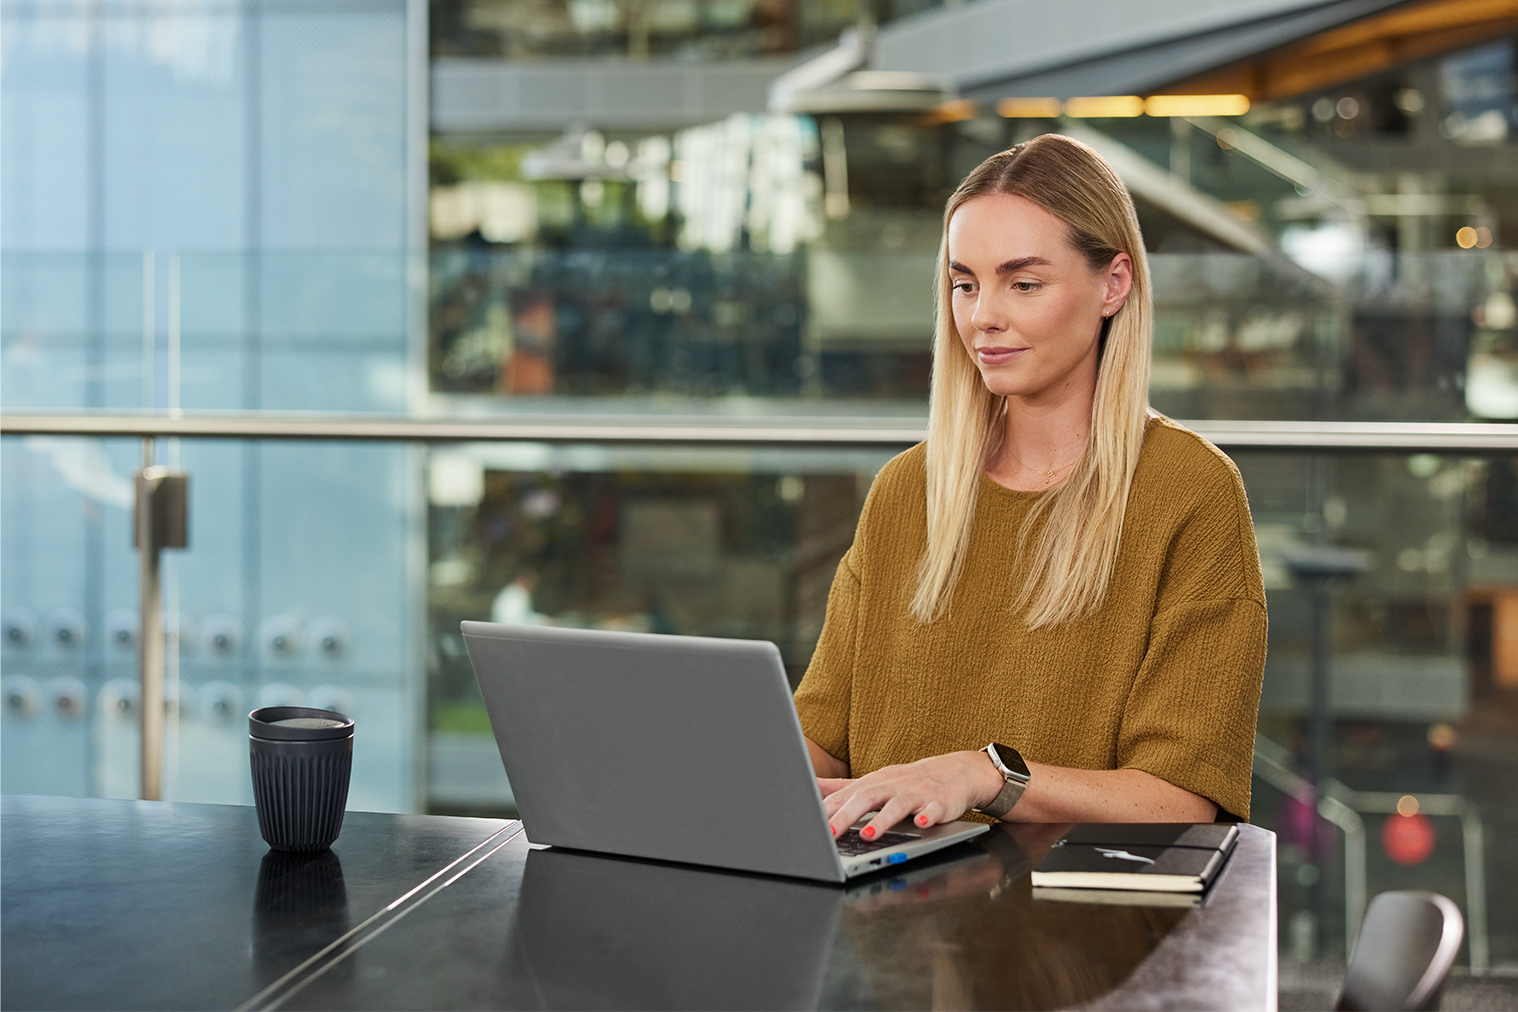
{"points": [[1474, 439], [1475, 888], [1354, 876], [1320, 761], [1335, 803], [150, 632]]}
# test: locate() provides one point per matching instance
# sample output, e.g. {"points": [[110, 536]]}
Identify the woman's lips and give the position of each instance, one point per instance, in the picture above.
{"points": [[997, 356]]}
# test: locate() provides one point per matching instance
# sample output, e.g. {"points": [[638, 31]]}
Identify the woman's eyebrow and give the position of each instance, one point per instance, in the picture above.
{"points": [[1021, 262], [1006, 268]]}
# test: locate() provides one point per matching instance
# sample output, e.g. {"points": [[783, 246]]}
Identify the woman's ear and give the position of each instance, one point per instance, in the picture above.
{"points": [[1119, 282]]}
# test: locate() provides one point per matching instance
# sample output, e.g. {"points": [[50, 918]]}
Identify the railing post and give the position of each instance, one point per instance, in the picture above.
{"points": [[160, 520], [1474, 834], [1314, 567]]}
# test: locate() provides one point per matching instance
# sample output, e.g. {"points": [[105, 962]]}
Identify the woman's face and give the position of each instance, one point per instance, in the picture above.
{"points": [[1027, 307]]}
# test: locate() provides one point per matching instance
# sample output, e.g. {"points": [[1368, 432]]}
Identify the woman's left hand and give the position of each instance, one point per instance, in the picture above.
{"points": [[938, 789]]}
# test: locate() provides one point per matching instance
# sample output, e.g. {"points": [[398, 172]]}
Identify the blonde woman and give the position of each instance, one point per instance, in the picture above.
{"points": [[1057, 571]]}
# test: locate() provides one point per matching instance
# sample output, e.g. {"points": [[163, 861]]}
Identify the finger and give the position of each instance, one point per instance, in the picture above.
{"points": [[829, 785], [860, 800], [834, 801], [845, 789], [930, 814], [892, 812]]}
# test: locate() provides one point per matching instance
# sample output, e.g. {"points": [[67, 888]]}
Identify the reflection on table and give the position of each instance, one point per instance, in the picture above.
{"points": [[141, 905], [960, 931]]}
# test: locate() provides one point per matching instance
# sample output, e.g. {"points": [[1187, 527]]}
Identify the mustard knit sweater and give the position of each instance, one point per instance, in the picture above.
{"points": [[1164, 676]]}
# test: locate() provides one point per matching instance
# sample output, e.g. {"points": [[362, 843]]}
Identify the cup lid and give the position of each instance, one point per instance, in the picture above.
{"points": [[298, 723]]}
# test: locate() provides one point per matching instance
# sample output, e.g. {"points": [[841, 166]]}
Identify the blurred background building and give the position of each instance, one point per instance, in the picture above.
{"points": [[655, 212]]}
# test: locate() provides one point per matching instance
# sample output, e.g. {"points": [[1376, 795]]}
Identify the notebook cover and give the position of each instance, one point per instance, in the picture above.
{"points": [[1159, 869], [1208, 835]]}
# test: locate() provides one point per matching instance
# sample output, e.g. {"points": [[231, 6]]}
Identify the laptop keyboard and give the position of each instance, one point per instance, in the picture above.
{"points": [[851, 844]]}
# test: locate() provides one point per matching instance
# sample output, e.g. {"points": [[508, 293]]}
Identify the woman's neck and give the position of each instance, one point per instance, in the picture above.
{"points": [[1043, 441]]}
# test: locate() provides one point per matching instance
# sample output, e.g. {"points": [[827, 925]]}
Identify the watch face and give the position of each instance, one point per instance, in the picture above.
{"points": [[1012, 760]]}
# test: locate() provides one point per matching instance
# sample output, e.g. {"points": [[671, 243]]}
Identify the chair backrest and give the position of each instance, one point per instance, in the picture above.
{"points": [[1406, 947]]}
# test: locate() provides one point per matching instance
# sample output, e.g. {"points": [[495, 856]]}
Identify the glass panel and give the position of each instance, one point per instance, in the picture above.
{"points": [[300, 585], [1411, 337], [737, 543], [745, 544], [1416, 701], [205, 208], [325, 331]]}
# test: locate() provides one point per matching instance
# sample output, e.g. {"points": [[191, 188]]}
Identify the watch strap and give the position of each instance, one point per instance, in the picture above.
{"points": [[1011, 792], [1013, 784]]}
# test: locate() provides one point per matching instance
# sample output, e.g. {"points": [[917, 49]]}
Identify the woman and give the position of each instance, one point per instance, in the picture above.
{"points": [[1058, 568]]}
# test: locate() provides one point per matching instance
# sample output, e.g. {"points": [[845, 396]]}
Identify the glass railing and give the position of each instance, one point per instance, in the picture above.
{"points": [[1418, 691], [336, 572], [303, 581]]}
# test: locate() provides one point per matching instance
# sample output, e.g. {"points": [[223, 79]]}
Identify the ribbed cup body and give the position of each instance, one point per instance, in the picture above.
{"points": [[300, 789]]}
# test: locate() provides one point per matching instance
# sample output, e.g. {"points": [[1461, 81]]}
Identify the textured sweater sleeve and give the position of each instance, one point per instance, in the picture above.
{"points": [[822, 698], [1190, 717], [1191, 712]]}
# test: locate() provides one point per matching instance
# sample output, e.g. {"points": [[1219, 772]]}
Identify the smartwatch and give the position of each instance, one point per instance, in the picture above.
{"points": [[1015, 774]]}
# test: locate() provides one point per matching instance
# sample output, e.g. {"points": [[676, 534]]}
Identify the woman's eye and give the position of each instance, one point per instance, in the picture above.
{"points": [[1025, 286], [963, 287]]}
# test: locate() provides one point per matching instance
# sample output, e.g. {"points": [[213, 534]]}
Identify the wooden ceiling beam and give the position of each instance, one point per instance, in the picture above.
{"points": [[1430, 16], [1355, 51]]}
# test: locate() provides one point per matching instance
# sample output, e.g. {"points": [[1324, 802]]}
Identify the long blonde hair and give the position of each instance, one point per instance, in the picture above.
{"points": [[1073, 561]]}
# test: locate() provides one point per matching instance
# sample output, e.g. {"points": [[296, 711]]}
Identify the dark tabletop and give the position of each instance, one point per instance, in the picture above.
{"points": [[120, 904]]}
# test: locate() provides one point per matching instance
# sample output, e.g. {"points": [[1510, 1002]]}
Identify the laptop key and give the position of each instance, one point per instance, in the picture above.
{"points": [[851, 844]]}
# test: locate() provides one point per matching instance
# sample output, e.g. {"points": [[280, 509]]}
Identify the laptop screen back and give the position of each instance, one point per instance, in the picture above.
{"points": [[679, 748]]}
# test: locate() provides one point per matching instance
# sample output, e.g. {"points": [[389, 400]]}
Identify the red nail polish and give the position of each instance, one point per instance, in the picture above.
{"points": [[922, 820], [834, 831], [868, 832]]}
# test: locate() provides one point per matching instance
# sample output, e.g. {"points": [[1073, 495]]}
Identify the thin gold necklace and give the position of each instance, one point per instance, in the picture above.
{"points": [[1047, 474]]}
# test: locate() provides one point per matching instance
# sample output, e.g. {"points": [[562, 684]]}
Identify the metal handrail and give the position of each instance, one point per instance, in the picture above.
{"points": [[1342, 806], [859, 431], [593, 427]]}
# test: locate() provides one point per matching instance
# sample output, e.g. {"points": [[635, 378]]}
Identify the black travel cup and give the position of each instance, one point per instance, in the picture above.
{"points": [[301, 760]]}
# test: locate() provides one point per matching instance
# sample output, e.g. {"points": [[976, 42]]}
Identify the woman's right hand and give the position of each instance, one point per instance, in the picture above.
{"points": [[929, 791]]}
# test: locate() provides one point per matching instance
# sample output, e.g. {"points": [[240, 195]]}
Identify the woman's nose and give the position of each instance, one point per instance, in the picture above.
{"points": [[988, 315]]}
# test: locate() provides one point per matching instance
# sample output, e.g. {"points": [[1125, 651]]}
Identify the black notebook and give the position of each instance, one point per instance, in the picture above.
{"points": [[1147, 857]]}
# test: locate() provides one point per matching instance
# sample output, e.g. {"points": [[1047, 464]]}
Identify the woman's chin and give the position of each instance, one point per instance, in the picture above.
{"points": [[1002, 385]]}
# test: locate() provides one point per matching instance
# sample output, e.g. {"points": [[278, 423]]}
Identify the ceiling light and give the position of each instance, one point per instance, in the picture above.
{"points": [[1196, 105], [1105, 107], [1028, 108]]}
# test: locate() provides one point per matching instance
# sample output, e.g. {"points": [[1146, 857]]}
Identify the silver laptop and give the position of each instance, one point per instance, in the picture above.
{"points": [[677, 748]]}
